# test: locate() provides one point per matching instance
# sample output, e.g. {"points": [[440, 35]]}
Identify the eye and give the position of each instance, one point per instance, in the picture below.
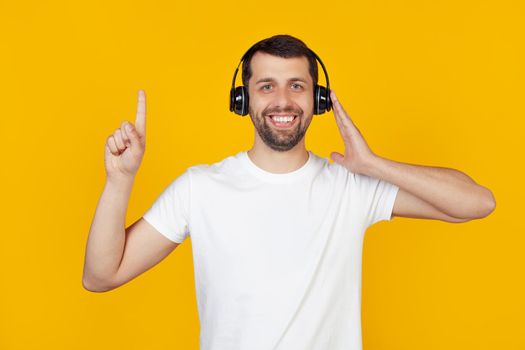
{"points": [[299, 85], [263, 87]]}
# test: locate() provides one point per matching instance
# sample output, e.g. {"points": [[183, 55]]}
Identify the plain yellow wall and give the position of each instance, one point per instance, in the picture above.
{"points": [[437, 83]]}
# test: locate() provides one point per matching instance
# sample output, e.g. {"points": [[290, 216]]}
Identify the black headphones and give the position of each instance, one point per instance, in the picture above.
{"points": [[239, 95]]}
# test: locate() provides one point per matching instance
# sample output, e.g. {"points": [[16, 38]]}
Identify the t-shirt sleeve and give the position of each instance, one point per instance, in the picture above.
{"points": [[378, 197], [169, 213]]}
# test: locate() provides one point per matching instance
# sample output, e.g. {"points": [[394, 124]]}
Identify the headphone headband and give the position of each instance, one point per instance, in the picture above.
{"points": [[315, 55]]}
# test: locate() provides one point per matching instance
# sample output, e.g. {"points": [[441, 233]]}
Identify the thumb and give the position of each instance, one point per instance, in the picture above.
{"points": [[133, 135], [337, 157]]}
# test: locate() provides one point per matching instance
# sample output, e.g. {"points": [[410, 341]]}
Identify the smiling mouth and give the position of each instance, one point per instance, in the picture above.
{"points": [[282, 121]]}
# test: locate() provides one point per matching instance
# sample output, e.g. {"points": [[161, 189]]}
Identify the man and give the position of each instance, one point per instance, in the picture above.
{"points": [[277, 231]]}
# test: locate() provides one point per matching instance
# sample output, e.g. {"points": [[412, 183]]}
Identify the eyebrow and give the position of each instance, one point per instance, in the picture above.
{"points": [[266, 80]]}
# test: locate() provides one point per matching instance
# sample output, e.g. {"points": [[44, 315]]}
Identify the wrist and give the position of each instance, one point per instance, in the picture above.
{"points": [[120, 182], [370, 164]]}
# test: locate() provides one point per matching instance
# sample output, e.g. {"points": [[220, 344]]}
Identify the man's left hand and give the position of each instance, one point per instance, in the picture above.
{"points": [[357, 155]]}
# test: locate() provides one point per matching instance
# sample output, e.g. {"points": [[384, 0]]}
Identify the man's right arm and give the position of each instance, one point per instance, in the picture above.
{"points": [[115, 255]]}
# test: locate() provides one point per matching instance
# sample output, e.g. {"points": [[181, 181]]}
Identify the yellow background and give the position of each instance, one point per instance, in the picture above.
{"points": [[436, 83]]}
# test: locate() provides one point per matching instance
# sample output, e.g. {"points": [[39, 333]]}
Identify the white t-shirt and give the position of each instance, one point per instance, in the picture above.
{"points": [[277, 257]]}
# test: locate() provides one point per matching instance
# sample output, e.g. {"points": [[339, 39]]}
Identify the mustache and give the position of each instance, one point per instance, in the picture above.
{"points": [[286, 110]]}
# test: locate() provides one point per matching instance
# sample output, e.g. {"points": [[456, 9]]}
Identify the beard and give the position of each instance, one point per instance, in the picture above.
{"points": [[279, 140]]}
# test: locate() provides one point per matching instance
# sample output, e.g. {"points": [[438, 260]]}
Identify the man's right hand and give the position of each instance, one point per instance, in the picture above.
{"points": [[125, 148]]}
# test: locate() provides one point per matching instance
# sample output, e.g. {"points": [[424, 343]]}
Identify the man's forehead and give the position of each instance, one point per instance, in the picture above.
{"points": [[273, 68], [273, 80]]}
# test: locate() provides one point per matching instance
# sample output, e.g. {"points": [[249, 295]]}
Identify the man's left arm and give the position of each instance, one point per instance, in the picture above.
{"points": [[424, 191], [448, 190]]}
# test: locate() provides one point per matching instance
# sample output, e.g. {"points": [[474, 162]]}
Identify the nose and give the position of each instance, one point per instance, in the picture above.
{"points": [[283, 99]]}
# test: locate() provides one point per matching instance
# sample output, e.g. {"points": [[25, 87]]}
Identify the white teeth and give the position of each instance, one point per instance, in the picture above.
{"points": [[283, 119]]}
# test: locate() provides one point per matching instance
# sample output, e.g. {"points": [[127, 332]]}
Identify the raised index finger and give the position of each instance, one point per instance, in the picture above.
{"points": [[140, 121]]}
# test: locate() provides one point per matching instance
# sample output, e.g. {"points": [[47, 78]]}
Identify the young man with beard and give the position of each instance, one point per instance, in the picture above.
{"points": [[277, 231]]}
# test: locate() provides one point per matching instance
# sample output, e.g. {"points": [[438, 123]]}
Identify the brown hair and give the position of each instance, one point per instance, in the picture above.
{"points": [[282, 45]]}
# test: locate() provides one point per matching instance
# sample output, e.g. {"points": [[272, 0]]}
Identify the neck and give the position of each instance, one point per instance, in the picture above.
{"points": [[278, 162]]}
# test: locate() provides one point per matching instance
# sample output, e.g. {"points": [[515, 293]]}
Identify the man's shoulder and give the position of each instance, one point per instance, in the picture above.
{"points": [[221, 166]]}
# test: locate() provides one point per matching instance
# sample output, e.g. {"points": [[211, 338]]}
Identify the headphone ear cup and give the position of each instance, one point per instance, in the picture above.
{"points": [[240, 100], [232, 99], [322, 101], [316, 99], [245, 101], [328, 101]]}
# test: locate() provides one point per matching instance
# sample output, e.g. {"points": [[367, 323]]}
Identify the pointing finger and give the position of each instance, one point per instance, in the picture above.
{"points": [[140, 121]]}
